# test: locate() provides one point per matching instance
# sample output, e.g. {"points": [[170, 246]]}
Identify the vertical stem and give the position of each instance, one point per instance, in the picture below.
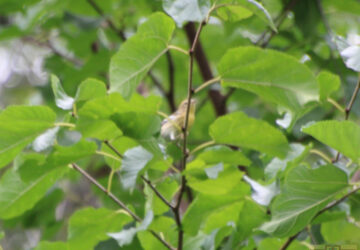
{"points": [[184, 130], [170, 93]]}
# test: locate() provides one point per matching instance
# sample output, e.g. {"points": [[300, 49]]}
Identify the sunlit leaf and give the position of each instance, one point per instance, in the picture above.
{"points": [[274, 76], [240, 130]]}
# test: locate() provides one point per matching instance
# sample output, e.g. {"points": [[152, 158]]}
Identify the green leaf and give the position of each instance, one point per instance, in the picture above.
{"points": [[133, 162], [246, 223], [100, 129], [274, 76], [46, 245], [343, 136], [203, 206], [89, 89], [137, 125], [105, 107], [139, 53], [233, 13], [240, 130], [62, 156], [183, 11], [305, 192], [22, 187], [166, 227], [259, 11], [236, 10], [275, 244], [62, 100], [225, 155], [19, 125], [349, 232], [88, 226], [328, 84], [126, 236], [224, 183]]}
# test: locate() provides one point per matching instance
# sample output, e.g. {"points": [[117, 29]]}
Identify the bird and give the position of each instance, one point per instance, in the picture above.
{"points": [[172, 126]]}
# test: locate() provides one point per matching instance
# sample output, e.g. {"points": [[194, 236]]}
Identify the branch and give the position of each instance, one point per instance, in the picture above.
{"points": [[289, 241], [113, 149], [157, 192], [215, 96], [348, 110], [329, 206], [120, 203], [111, 195]]}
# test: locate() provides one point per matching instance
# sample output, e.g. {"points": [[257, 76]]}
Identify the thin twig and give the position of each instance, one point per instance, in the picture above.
{"points": [[184, 130], [120, 203], [111, 195], [348, 110], [157, 192], [334, 203], [289, 241], [113, 149]]}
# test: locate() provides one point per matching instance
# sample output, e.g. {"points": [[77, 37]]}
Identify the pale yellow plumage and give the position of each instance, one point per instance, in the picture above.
{"points": [[171, 127]]}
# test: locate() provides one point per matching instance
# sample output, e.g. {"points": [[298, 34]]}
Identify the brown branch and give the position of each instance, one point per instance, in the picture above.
{"points": [[289, 241], [113, 149], [348, 110], [111, 195], [118, 202], [157, 192], [329, 206], [215, 96]]}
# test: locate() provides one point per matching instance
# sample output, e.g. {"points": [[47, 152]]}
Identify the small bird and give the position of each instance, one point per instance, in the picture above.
{"points": [[171, 127]]}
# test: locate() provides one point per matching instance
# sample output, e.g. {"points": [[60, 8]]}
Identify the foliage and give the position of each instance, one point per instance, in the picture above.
{"points": [[271, 162]]}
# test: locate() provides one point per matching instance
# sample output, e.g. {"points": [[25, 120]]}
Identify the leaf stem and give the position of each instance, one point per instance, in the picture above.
{"points": [[336, 104], [109, 185], [178, 49], [207, 83], [201, 146], [321, 154], [64, 124], [120, 203], [107, 155]]}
